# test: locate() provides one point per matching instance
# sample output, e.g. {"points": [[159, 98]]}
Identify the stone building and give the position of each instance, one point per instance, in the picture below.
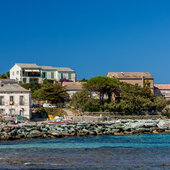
{"points": [[136, 78], [73, 87], [162, 90], [14, 99], [27, 73]]}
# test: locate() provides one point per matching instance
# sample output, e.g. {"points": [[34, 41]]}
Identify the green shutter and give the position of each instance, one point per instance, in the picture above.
{"points": [[44, 75], [52, 75], [69, 76], [60, 76]]}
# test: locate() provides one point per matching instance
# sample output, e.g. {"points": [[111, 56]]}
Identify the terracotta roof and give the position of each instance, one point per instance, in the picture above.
{"points": [[162, 86], [71, 86], [122, 75]]}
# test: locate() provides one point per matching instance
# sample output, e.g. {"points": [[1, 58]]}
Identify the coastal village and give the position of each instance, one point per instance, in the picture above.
{"points": [[20, 108]]}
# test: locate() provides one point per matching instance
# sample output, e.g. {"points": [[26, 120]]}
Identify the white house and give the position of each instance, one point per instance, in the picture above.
{"points": [[14, 100], [27, 73]]}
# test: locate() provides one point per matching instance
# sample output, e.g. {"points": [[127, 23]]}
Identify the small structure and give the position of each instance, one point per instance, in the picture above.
{"points": [[162, 90], [73, 87], [14, 99], [136, 78], [27, 73]]}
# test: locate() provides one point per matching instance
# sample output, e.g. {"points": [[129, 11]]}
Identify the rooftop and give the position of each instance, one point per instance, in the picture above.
{"points": [[162, 86], [73, 85], [35, 66], [8, 81], [120, 75], [12, 88], [25, 65]]}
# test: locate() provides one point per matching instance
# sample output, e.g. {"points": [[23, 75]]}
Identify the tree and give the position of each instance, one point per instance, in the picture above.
{"points": [[83, 80], [32, 86], [83, 100], [103, 85], [4, 76], [132, 99], [53, 93]]}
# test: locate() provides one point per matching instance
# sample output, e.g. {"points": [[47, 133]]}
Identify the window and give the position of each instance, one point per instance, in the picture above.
{"points": [[17, 72], [1, 100], [136, 84], [44, 75], [13, 73], [21, 112], [52, 75], [11, 100], [11, 111], [69, 76], [24, 80], [21, 100]]}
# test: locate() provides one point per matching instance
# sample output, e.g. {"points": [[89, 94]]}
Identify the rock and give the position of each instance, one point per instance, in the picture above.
{"points": [[143, 130], [54, 133], [150, 124], [115, 130], [167, 131], [14, 132], [162, 124], [155, 132], [136, 125]]}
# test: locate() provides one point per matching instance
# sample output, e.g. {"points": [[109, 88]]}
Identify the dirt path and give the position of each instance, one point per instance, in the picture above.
{"points": [[69, 113]]}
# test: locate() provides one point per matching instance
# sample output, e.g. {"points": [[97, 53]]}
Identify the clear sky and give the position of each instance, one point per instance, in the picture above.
{"points": [[92, 37]]}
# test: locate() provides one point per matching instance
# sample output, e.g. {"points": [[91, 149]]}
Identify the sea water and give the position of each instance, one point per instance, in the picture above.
{"points": [[101, 152]]}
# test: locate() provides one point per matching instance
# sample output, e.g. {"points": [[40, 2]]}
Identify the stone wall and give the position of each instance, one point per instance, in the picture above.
{"points": [[116, 127]]}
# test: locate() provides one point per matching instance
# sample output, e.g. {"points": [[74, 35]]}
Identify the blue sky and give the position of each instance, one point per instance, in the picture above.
{"points": [[92, 37]]}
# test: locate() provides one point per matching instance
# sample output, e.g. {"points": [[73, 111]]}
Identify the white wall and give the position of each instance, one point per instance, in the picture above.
{"points": [[17, 106], [13, 73], [49, 74], [66, 75]]}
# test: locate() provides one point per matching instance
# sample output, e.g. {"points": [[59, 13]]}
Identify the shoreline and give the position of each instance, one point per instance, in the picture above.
{"points": [[116, 127]]}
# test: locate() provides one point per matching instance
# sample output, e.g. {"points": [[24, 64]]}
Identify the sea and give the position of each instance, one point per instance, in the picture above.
{"points": [[126, 152]]}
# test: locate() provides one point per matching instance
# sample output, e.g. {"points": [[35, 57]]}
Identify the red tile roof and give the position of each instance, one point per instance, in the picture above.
{"points": [[162, 86]]}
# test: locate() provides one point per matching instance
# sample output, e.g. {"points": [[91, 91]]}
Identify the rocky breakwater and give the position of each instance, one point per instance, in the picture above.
{"points": [[117, 127]]}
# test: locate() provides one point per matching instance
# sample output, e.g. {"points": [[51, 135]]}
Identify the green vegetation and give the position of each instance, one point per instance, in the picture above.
{"points": [[118, 97], [103, 85], [83, 80], [40, 112], [53, 93], [4, 76], [33, 86]]}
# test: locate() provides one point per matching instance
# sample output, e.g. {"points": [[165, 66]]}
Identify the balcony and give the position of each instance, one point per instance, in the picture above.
{"points": [[31, 74]]}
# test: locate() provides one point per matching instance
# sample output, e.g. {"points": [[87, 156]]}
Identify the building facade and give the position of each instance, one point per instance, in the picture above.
{"points": [[162, 90], [136, 78], [14, 100], [73, 87], [27, 73]]}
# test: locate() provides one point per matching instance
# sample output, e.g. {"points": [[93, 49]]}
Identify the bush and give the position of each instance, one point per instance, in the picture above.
{"points": [[50, 111]]}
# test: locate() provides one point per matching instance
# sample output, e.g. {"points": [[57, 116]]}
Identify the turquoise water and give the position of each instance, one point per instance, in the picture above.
{"points": [[102, 152], [134, 141]]}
